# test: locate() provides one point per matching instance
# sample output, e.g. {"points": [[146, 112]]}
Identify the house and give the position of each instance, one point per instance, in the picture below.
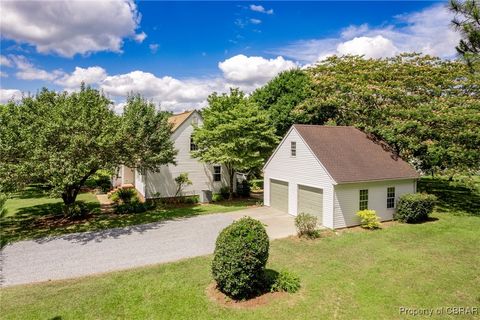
{"points": [[162, 184], [332, 172]]}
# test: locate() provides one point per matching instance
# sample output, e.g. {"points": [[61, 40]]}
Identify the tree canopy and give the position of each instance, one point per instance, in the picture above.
{"points": [[235, 133], [426, 108], [62, 139]]}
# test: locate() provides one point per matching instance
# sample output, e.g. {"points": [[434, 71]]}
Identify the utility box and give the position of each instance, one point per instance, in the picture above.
{"points": [[206, 196]]}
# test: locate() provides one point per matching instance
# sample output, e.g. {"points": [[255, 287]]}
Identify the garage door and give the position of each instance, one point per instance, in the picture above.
{"points": [[310, 200], [279, 195]]}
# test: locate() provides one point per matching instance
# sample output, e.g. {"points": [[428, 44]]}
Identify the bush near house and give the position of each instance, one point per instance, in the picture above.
{"points": [[240, 256], [243, 189], [124, 195], [285, 281], [415, 207], [369, 219], [306, 225]]}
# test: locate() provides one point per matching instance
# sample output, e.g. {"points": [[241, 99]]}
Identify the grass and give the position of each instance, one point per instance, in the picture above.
{"points": [[32, 214], [354, 275]]}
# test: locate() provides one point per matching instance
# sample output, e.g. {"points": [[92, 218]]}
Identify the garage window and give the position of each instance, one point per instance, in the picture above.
{"points": [[363, 205], [217, 173], [390, 197], [293, 148]]}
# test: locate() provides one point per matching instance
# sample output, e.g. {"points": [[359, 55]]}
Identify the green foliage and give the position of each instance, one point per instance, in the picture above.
{"points": [[425, 108], [241, 253], [182, 181], [285, 281], [217, 197], [415, 207], [3, 208], [70, 136], [281, 95], [101, 180], [306, 225], [124, 195], [224, 192], [79, 210], [467, 22], [256, 184], [235, 133], [134, 206], [369, 219], [243, 189]]}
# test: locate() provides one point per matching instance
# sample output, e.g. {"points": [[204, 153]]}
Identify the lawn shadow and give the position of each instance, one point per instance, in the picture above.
{"points": [[457, 200]]}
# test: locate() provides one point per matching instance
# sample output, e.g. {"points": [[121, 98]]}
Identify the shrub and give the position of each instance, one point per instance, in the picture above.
{"points": [[217, 197], [100, 180], [415, 207], [133, 207], [78, 210], [369, 219], [125, 195], [240, 256], [256, 184], [225, 192], [3, 208], [191, 199], [285, 282], [243, 189], [306, 225]]}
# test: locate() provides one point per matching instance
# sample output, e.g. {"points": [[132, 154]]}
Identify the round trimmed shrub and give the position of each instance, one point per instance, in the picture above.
{"points": [[415, 207], [241, 253]]}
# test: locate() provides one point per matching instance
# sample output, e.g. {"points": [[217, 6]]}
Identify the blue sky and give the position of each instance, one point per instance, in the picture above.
{"points": [[176, 53]]}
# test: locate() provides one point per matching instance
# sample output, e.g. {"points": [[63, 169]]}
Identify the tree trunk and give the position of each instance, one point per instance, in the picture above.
{"points": [[70, 193], [231, 172]]}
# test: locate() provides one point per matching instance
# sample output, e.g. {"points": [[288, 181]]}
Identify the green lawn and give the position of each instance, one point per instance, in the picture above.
{"points": [[354, 275], [32, 214]]}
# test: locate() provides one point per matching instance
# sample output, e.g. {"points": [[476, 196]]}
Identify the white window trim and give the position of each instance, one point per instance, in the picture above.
{"points": [[293, 147]]}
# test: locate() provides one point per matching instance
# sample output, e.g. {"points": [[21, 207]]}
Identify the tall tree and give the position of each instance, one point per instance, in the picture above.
{"points": [[62, 139], [235, 133], [426, 108], [467, 22], [280, 96]]}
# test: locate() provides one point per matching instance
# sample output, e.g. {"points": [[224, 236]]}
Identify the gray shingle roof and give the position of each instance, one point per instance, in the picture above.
{"points": [[349, 155]]}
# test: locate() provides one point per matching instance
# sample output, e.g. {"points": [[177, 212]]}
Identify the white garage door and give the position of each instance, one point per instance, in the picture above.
{"points": [[310, 200], [279, 195]]}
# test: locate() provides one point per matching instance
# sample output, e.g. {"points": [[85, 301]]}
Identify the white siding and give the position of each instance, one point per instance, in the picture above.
{"points": [[162, 184], [347, 200], [140, 182], [303, 169]]}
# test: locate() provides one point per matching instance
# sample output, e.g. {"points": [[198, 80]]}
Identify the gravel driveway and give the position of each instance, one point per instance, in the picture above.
{"points": [[81, 254]]}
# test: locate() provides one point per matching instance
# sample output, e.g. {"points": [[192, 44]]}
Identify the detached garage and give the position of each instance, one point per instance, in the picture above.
{"points": [[332, 172]]}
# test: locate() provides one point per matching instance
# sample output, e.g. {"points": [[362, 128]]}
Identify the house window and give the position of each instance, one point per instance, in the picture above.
{"points": [[193, 146], [363, 205], [217, 173], [390, 197], [293, 148]]}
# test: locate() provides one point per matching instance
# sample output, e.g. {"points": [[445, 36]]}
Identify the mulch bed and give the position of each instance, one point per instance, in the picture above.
{"points": [[219, 297]]}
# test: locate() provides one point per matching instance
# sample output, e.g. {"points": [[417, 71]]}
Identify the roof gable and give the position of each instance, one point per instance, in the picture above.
{"points": [[176, 120], [349, 155]]}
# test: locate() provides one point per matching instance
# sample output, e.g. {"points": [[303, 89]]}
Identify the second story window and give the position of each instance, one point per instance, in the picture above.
{"points": [[293, 148], [193, 146], [217, 173]]}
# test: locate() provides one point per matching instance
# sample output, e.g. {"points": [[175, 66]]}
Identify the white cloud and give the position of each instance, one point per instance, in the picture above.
{"points": [[241, 69], [140, 37], [69, 27], [27, 71], [259, 8], [427, 31], [4, 61], [370, 47], [255, 21], [153, 47], [91, 75], [8, 94], [3, 74]]}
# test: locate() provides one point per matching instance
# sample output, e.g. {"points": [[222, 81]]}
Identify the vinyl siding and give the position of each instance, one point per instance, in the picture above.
{"points": [[140, 182], [346, 200], [162, 183], [303, 169]]}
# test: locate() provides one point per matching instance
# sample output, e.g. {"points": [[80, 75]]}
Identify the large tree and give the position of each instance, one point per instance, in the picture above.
{"points": [[467, 22], [64, 138], [235, 133], [426, 108], [280, 96]]}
